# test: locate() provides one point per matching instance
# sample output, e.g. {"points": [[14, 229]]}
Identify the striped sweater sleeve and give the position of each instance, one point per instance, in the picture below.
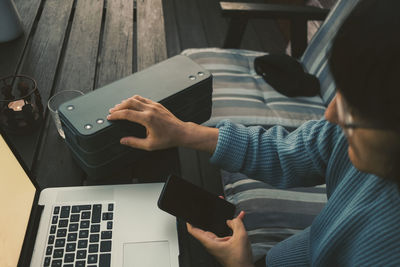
{"points": [[276, 156]]}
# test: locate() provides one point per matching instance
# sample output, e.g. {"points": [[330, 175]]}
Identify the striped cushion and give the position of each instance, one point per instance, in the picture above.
{"points": [[244, 97], [314, 58], [272, 215]]}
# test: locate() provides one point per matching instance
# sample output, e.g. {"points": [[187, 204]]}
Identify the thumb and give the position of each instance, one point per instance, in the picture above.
{"points": [[134, 142], [236, 224]]}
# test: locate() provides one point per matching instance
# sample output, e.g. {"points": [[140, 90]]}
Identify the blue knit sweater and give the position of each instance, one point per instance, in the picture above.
{"points": [[360, 224]]}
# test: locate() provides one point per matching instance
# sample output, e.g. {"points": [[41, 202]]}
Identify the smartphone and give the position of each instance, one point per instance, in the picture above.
{"points": [[196, 206]]}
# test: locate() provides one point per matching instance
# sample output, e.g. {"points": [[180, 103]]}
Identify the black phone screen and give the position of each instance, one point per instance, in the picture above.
{"points": [[196, 206]]}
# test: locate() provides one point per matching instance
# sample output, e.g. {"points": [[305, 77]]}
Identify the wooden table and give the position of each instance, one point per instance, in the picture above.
{"points": [[79, 45], [84, 45]]}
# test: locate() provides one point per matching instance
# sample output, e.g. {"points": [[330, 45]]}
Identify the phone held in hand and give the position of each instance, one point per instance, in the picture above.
{"points": [[196, 206]]}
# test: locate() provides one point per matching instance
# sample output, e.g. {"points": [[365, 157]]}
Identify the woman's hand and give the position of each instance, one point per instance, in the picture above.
{"points": [[163, 129], [230, 251]]}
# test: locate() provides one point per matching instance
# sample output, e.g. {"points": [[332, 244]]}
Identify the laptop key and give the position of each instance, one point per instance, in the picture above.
{"points": [[74, 217], [85, 215], [80, 264], [96, 213], [65, 211], [56, 263], [109, 225], [106, 235], [85, 224], [73, 227], [53, 229], [69, 265], [105, 246], [54, 220], [72, 237], [95, 228], [82, 243], [92, 258], [107, 216], [62, 232], [49, 250], [60, 242], [70, 247], [58, 253], [110, 207], [79, 208], [51, 239], [47, 261], [69, 257], [81, 254], [94, 238], [63, 223], [83, 233], [93, 248], [56, 210], [105, 260]]}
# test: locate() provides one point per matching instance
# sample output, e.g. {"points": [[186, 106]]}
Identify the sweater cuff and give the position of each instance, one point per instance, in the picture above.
{"points": [[231, 146]]}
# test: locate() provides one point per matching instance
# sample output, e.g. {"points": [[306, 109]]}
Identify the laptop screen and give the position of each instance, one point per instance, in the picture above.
{"points": [[16, 198]]}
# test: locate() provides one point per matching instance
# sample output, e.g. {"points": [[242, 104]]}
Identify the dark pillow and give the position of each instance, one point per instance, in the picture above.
{"points": [[286, 75]]}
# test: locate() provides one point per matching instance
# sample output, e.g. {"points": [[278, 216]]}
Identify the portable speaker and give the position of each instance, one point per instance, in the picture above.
{"points": [[178, 83]]}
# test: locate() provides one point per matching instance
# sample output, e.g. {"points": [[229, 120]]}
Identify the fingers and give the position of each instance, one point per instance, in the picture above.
{"points": [[128, 114], [140, 143], [197, 233], [237, 225], [135, 103]]}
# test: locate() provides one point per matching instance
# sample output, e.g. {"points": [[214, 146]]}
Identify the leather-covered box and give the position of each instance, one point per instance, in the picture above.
{"points": [[178, 83]]}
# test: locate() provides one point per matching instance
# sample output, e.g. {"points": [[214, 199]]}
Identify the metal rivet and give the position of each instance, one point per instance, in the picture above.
{"points": [[70, 107], [100, 121], [192, 77], [88, 126], [200, 73]]}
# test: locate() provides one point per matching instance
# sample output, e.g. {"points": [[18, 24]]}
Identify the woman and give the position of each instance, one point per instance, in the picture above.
{"points": [[355, 150]]}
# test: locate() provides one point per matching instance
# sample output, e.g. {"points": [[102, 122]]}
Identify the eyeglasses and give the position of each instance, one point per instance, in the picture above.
{"points": [[346, 120]]}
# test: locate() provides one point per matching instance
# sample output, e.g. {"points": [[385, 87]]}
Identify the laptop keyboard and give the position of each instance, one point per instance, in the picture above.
{"points": [[80, 236]]}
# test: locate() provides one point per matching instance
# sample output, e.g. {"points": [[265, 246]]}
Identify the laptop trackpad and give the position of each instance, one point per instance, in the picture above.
{"points": [[147, 254]]}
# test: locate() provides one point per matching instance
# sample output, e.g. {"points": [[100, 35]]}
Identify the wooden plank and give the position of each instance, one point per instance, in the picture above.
{"points": [[171, 28], [78, 68], [77, 72], [151, 44], [270, 37], [190, 25], [11, 52], [250, 39], [115, 53], [215, 26], [41, 60], [116, 50]]}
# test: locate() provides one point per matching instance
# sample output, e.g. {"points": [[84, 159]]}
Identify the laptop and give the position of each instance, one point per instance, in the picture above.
{"points": [[112, 225]]}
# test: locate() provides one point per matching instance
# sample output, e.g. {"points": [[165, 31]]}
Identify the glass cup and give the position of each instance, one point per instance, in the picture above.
{"points": [[21, 109], [54, 103]]}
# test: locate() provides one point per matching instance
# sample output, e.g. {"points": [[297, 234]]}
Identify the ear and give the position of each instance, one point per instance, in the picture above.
{"points": [[331, 112]]}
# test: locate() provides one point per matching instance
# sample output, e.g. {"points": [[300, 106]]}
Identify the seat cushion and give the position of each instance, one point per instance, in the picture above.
{"points": [[241, 95], [272, 215]]}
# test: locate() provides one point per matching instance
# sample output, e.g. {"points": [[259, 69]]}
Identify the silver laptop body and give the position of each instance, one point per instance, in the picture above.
{"points": [[140, 235]]}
